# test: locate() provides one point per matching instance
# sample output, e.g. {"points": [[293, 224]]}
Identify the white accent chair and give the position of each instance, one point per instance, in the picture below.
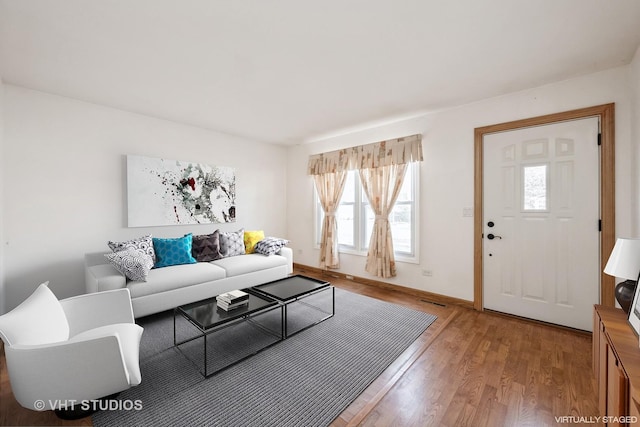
{"points": [[76, 349]]}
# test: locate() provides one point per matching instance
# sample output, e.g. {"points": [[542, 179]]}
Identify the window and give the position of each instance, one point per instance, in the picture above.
{"points": [[355, 217], [535, 187]]}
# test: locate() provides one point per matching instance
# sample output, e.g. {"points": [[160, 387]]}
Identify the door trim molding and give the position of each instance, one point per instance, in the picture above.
{"points": [[606, 112]]}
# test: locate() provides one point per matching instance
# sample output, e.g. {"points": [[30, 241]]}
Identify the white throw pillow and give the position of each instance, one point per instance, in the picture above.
{"points": [[40, 319]]}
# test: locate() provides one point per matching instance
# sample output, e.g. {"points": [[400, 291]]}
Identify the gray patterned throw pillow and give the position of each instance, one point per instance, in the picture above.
{"points": [[232, 243], [270, 245], [144, 244], [133, 263]]}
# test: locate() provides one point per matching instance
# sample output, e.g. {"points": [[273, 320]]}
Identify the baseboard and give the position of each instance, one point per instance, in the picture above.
{"points": [[423, 295]]}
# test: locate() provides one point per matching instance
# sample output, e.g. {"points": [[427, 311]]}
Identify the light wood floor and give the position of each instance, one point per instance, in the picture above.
{"points": [[468, 369]]}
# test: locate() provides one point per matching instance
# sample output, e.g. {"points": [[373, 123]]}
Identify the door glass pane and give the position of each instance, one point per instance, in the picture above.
{"points": [[534, 181]]}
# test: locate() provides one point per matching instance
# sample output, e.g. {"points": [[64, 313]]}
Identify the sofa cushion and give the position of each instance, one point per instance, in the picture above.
{"points": [[232, 243], [174, 277], [249, 263], [144, 243], [206, 247], [40, 319], [173, 251], [133, 263]]}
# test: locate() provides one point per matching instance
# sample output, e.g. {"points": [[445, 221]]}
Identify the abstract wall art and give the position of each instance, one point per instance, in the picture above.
{"points": [[173, 192]]}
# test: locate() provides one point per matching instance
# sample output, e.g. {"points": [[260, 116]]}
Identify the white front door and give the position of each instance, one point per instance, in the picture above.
{"points": [[541, 222]]}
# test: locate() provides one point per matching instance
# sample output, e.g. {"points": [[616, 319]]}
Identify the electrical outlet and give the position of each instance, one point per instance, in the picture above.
{"points": [[427, 273], [467, 212]]}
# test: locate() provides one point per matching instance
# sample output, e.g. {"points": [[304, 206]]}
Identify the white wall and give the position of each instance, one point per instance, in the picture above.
{"points": [[2, 273], [634, 78], [447, 176], [65, 184]]}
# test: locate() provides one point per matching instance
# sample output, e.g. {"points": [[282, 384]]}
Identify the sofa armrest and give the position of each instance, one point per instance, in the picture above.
{"points": [[91, 311], [100, 275], [53, 373], [288, 254]]}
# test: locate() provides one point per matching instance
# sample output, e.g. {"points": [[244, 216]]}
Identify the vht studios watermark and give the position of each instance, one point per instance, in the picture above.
{"points": [[90, 405], [606, 419]]}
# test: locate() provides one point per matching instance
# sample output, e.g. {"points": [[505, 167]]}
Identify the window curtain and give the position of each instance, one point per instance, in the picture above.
{"points": [[382, 186], [329, 187], [382, 168], [392, 152]]}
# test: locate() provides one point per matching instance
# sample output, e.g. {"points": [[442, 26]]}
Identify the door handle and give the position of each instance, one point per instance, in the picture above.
{"points": [[491, 236]]}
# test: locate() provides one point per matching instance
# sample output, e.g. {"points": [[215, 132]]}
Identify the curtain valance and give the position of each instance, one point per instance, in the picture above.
{"points": [[391, 152]]}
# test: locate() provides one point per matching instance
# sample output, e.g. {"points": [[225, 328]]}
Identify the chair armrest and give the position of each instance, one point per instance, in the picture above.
{"points": [[53, 373], [89, 311]]}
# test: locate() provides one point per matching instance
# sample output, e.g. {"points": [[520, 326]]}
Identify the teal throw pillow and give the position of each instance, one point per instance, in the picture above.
{"points": [[173, 251]]}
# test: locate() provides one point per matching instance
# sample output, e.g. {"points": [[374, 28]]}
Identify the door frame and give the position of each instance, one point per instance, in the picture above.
{"points": [[606, 113]]}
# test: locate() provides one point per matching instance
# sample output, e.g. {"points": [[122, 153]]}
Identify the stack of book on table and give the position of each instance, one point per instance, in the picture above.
{"points": [[233, 299]]}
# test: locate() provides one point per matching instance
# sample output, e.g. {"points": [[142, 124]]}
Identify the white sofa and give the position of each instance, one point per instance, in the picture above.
{"points": [[169, 287]]}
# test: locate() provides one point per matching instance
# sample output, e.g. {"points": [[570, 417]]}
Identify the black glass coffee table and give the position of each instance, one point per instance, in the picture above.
{"points": [[208, 318], [300, 289]]}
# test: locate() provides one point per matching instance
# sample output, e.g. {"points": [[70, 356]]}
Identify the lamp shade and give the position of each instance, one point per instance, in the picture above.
{"points": [[624, 260]]}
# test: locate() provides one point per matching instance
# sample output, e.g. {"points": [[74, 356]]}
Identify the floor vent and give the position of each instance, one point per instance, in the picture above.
{"points": [[433, 302]]}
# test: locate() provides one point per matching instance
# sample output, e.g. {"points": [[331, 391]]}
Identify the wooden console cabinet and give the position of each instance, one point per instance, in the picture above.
{"points": [[616, 365]]}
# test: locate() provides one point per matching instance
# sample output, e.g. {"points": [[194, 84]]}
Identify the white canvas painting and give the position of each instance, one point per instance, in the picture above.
{"points": [[171, 192]]}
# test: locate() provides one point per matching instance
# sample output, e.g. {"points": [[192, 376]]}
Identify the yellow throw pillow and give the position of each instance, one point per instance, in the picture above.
{"points": [[251, 238]]}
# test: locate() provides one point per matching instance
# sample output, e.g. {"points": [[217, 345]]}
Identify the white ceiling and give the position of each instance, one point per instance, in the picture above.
{"points": [[290, 71]]}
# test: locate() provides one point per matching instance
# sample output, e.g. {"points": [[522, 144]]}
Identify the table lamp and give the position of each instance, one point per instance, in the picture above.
{"points": [[624, 262]]}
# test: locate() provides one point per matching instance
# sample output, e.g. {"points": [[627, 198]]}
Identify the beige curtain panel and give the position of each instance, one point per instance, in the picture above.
{"points": [[382, 186], [330, 187]]}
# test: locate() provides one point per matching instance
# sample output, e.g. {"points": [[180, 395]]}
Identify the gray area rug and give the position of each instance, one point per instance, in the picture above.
{"points": [[305, 380]]}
